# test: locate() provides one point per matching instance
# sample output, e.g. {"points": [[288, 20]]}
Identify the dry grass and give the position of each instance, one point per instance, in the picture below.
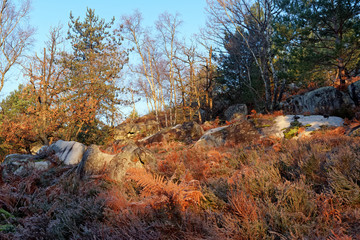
{"points": [[276, 189]]}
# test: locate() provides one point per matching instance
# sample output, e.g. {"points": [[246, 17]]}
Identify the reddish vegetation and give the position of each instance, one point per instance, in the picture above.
{"points": [[273, 189]]}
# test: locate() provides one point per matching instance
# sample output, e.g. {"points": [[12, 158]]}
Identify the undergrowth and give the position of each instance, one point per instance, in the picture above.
{"points": [[277, 189]]}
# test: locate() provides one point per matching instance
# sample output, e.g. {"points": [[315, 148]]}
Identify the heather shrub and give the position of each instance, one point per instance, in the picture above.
{"points": [[259, 179], [275, 189]]}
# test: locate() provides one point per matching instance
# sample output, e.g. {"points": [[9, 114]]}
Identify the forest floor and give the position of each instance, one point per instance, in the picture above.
{"points": [[278, 188]]}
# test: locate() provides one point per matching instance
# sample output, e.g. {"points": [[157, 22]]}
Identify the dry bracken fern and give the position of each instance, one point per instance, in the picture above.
{"points": [[156, 188]]}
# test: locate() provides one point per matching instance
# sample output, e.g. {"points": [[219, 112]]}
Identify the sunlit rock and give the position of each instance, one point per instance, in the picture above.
{"points": [[68, 152]]}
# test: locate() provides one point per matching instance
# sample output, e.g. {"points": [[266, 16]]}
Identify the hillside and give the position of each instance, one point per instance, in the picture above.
{"points": [[251, 130], [266, 188]]}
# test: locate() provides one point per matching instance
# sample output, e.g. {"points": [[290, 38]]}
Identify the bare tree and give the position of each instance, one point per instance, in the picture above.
{"points": [[167, 25], [14, 35], [171, 70], [144, 47], [46, 79], [190, 82]]}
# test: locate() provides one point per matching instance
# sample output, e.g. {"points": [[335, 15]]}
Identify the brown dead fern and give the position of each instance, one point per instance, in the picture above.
{"points": [[159, 191]]}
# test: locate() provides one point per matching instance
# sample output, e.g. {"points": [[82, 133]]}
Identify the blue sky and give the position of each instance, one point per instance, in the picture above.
{"points": [[47, 13]]}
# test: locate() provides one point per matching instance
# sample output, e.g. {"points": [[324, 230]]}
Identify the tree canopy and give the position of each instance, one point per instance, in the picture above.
{"points": [[325, 37], [250, 52]]}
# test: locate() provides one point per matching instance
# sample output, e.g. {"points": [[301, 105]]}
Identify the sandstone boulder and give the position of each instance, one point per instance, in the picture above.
{"points": [[68, 152], [186, 132], [214, 137], [94, 161], [239, 132], [235, 111], [132, 130], [311, 123], [323, 100], [354, 92], [22, 164]]}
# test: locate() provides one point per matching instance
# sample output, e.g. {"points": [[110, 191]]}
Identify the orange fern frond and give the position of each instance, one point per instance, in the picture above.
{"points": [[114, 199], [158, 190], [244, 206], [151, 184]]}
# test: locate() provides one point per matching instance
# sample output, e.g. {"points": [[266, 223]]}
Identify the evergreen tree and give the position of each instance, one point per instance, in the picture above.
{"points": [[94, 71], [324, 37], [238, 79]]}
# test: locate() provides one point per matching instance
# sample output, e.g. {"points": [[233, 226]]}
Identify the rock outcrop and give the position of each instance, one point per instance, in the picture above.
{"points": [[324, 100], [235, 111], [131, 130], [310, 123], [22, 164], [241, 131], [186, 132], [68, 152], [94, 161], [354, 92], [115, 166]]}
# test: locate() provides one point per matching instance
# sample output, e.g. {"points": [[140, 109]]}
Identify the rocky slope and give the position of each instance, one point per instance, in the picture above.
{"points": [[234, 181]]}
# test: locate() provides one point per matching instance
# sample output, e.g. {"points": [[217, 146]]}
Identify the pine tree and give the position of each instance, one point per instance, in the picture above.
{"points": [[94, 71], [325, 37]]}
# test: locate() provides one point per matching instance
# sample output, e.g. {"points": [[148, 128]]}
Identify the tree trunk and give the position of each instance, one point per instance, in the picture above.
{"points": [[342, 73], [282, 89], [276, 85]]}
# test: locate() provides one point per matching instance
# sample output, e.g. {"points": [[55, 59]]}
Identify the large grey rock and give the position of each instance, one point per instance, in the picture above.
{"points": [[314, 122], [68, 152], [186, 132], [354, 92], [235, 111], [22, 164], [17, 158], [214, 137], [323, 100], [96, 162], [132, 130], [26, 168], [240, 132]]}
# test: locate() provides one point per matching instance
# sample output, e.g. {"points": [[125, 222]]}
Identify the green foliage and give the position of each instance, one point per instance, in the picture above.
{"points": [[69, 95], [294, 128], [94, 133], [94, 70], [7, 228], [291, 132], [15, 103], [312, 44], [322, 37], [239, 80], [5, 214]]}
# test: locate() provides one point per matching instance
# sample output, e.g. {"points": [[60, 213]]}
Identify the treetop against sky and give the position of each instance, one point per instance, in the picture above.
{"points": [[46, 14]]}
